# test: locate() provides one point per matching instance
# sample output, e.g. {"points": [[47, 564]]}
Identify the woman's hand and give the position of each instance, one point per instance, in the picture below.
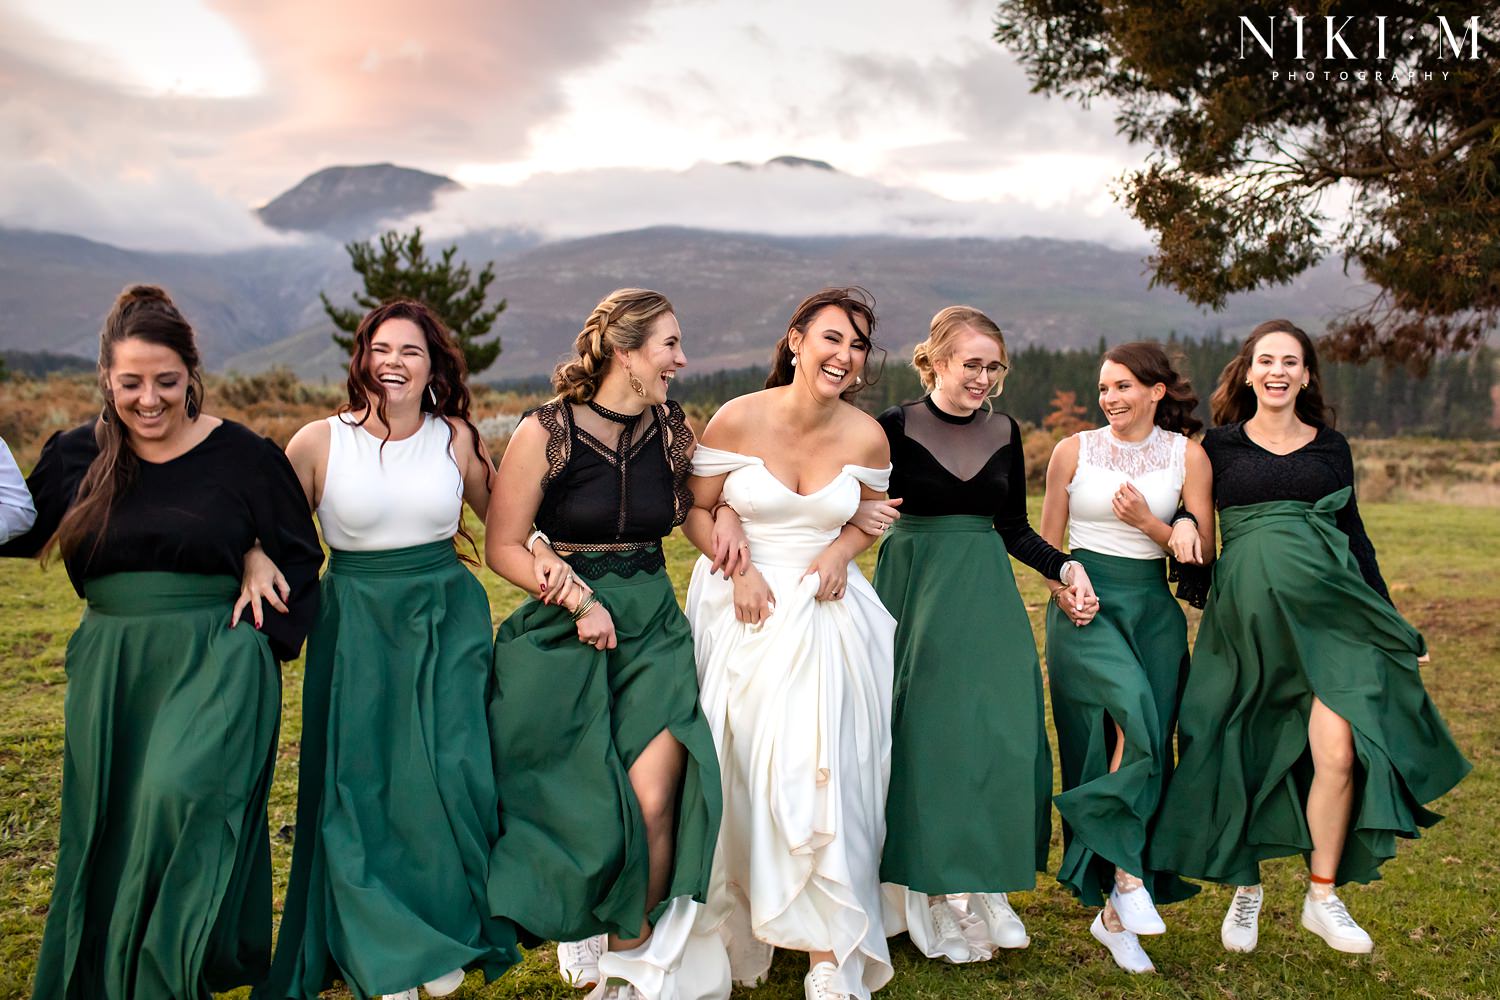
{"points": [[1079, 591], [555, 581], [261, 581], [832, 568], [597, 628], [1185, 545], [753, 600], [874, 516], [1130, 507], [1066, 602], [731, 549]]}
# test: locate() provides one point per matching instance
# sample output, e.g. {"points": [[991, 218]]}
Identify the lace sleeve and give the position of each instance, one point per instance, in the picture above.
{"points": [[677, 439], [556, 418]]}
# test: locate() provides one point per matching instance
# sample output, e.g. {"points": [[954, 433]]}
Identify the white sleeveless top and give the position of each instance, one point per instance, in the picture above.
{"points": [[1155, 466], [410, 493]]}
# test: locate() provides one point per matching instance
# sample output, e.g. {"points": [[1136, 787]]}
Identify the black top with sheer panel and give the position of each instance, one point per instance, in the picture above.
{"points": [[615, 486], [973, 465], [197, 513], [1245, 473]]}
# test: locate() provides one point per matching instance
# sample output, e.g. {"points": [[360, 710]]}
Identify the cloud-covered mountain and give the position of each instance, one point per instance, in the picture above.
{"points": [[733, 291], [348, 202]]}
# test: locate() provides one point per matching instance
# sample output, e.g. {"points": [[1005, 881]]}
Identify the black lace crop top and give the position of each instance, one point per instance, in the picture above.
{"points": [[624, 497]]}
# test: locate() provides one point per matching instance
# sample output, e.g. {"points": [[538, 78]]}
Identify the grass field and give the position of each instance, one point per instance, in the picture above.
{"points": [[1435, 917]]}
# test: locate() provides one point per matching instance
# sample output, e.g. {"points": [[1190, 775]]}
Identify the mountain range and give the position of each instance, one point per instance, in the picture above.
{"points": [[257, 308]]}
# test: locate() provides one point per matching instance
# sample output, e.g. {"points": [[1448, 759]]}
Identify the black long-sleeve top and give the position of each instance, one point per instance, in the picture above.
{"points": [[197, 513], [966, 465], [1245, 473]]}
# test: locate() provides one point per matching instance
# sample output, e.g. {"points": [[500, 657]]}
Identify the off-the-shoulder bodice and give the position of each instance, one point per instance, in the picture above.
{"points": [[786, 527]]}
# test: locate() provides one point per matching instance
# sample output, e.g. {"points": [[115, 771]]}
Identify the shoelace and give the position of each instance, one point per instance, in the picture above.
{"points": [[581, 952], [1244, 910], [821, 990], [1338, 911], [944, 921]]}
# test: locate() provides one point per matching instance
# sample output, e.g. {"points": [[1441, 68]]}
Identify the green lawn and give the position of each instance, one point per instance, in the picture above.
{"points": [[1435, 917]]}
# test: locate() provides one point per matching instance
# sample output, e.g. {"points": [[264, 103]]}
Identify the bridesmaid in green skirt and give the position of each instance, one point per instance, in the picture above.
{"points": [[1305, 726], [968, 815], [396, 798], [163, 880], [1116, 679], [606, 765]]}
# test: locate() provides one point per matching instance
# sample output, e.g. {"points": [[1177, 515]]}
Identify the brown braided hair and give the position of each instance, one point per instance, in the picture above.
{"points": [[620, 322]]}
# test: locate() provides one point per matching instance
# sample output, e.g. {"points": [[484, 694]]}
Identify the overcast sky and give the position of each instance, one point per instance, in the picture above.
{"points": [[158, 123]]}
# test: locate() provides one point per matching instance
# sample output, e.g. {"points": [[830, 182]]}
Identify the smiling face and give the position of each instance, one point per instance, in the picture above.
{"points": [[973, 371], [656, 362], [831, 354], [1128, 405], [148, 384], [399, 361], [1277, 371]]}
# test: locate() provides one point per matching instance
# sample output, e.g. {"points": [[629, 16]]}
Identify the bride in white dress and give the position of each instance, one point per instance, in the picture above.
{"points": [[795, 656]]}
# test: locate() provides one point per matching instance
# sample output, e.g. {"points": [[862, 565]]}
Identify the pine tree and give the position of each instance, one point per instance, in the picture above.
{"points": [[398, 267]]}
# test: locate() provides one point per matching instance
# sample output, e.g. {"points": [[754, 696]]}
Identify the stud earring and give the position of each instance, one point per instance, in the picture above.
{"points": [[1304, 385], [859, 380], [1247, 381]]}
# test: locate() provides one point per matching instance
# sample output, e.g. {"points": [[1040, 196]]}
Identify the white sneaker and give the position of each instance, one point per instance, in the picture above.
{"points": [[1329, 919], [445, 984], [621, 992], [1005, 928], [410, 994], [1136, 911], [578, 961], [947, 935], [1241, 928], [1123, 946], [815, 986]]}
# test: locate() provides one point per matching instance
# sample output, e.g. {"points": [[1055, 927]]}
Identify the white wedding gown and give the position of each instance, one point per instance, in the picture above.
{"points": [[800, 709]]}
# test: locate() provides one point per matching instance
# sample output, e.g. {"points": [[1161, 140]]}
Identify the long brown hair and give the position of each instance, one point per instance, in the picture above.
{"points": [[1149, 363], [620, 322], [446, 394], [148, 313], [1233, 400], [857, 304]]}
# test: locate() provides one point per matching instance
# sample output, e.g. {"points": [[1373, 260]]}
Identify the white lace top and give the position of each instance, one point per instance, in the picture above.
{"points": [[1155, 466]]}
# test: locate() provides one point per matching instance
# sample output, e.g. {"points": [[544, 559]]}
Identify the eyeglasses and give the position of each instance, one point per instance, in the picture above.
{"points": [[973, 368]]}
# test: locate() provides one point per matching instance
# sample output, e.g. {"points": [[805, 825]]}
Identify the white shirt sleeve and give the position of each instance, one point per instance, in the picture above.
{"points": [[17, 512]]}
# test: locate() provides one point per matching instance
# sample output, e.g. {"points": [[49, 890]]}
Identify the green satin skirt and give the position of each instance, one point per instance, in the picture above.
{"points": [[568, 721], [163, 883], [1288, 618], [396, 799], [968, 808], [1126, 668]]}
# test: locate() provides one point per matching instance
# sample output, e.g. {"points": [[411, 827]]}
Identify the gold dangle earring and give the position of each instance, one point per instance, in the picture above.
{"points": [[635, 383]]}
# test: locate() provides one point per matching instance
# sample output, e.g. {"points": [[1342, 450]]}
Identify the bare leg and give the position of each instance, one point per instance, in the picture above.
{"points": [[1124, 879], [1332, 793], [816, 957], [655, 777]]}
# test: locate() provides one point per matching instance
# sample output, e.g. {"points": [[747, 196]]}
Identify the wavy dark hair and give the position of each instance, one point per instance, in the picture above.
{"points": [[1148, 362], [857, 304], [144, 312], [446, 385], [1233, 401]]}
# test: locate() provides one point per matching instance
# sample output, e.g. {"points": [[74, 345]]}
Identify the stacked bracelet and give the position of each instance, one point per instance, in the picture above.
{"points": [[585, 605]]}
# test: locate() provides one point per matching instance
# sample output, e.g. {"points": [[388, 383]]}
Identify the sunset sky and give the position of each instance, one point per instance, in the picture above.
{"points": [[158, 123]]}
